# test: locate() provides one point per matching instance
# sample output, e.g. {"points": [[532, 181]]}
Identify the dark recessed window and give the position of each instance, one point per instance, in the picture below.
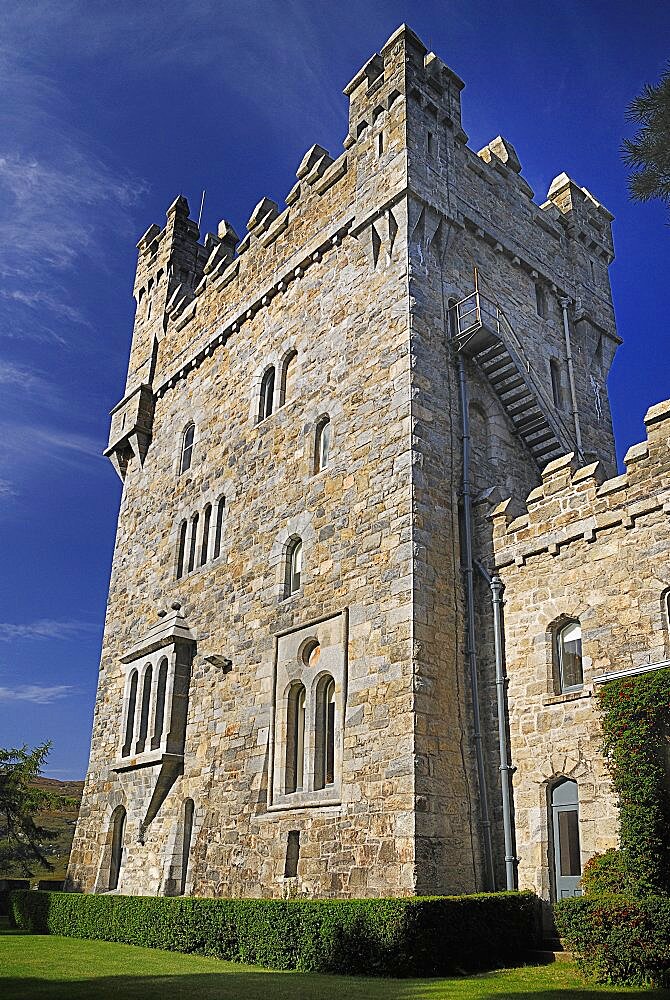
{"points": [[187, 448]]}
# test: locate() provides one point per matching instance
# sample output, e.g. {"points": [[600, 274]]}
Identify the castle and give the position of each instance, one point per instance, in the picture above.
{"points": [[373, 558]]}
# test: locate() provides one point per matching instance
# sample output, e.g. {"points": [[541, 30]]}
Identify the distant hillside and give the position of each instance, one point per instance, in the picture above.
{"points": [[63, 821]]}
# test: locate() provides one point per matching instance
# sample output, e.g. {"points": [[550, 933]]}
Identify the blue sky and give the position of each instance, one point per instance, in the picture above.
{"points": [[110, 110]]}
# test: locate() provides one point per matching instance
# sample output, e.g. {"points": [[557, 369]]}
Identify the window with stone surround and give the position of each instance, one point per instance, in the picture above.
{"points": [[266, 397], [181, 548], [199, 538], [289, 371], [322, 444], [541, 301], [156, 694], [188, 438], [117, 833], [293, 567], [567, 656], [309, 715], [556, 383], [186, 835], [218, 529], [295, 743]]}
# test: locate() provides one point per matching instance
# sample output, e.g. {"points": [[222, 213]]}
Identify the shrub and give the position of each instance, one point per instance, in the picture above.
{"points": [[609, 873], [397, 937], [636, 721], [617, 939]]}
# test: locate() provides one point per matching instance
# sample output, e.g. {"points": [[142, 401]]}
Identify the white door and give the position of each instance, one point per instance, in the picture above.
{"points": [[565, 827]]}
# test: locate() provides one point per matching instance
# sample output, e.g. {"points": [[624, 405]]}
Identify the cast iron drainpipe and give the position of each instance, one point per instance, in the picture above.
{"points": [[471, 646], [506, 769]]}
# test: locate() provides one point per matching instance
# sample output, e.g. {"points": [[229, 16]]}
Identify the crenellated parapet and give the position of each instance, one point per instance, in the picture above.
{"points": [[576, 504]]}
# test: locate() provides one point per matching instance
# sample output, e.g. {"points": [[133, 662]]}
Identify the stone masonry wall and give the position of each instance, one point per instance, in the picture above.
{"points": [[598, 551]]}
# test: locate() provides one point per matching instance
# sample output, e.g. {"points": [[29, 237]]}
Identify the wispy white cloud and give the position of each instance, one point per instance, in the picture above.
{"points": [[45, 628], [39, 694]]}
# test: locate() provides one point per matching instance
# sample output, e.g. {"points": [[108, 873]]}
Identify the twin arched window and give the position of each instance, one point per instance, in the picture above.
{"points": [[296, 769], [568, 669], [187, 448]]}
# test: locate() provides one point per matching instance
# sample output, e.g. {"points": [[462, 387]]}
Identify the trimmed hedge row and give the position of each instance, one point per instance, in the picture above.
{"points": [[617, 939], [394, 937]]}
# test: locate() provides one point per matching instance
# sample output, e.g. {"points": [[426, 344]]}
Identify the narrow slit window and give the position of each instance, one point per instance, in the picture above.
{"points": [[380, 143], [130, 717], [322, 444], [144, 714], [266, 400], [292, 854], [556, 387], [295, 747], [118, 831], [288, 378], [159, 711], [204, 545], [193, 545], [189, 809], [218, 530], [325, 733], [187, 449], [181, 549], [541, 300], [430, 145]]}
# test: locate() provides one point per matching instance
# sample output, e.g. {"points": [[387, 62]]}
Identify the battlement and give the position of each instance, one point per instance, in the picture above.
{"points": [[573, 504]]}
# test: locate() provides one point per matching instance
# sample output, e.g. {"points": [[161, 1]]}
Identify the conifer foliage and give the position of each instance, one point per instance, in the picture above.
{"points": [[22, 839], [648, 152]]}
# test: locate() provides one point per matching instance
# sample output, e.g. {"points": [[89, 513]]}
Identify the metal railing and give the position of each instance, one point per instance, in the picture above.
{"points": [[475, 311]]}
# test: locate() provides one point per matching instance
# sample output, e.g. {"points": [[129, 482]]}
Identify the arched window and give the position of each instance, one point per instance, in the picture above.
{"points": [[218, 530], [130, 716], [187, 448], [568, 656], [159, 711], [322, 444], [144, 714], [193, 541], [118, 830], [288, 376], [325, 733], [293, 567], [266, 399], [207, 517], [187, 832], [295, 739], [181, 549], [567, 866], [556, 387], [541, 304]]}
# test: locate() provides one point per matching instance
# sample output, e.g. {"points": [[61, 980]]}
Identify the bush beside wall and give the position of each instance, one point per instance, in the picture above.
{"points": [[396, 937], [617, 939]]}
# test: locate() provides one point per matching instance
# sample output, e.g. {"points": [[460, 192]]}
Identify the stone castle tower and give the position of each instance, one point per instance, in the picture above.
{"points": [[296, 690]]}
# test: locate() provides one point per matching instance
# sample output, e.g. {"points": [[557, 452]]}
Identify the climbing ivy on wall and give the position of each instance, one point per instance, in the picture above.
{"points": [[636, 724]]}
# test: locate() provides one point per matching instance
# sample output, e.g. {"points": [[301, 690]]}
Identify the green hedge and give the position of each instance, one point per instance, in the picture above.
{"points": [[395, 937], [617, 939]]}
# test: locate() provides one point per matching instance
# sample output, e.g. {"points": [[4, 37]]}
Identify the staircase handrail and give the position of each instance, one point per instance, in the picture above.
{"points": [[478, 308]]}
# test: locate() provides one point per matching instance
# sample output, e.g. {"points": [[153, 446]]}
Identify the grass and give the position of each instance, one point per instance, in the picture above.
{"points": [[35, 967]]}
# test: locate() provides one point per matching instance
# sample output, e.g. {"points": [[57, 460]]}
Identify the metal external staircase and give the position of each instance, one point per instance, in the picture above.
{"points": [[482, 331]]}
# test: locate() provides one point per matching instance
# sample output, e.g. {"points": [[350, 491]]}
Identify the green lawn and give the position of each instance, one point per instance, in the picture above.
{"points": [[34, 967]]}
